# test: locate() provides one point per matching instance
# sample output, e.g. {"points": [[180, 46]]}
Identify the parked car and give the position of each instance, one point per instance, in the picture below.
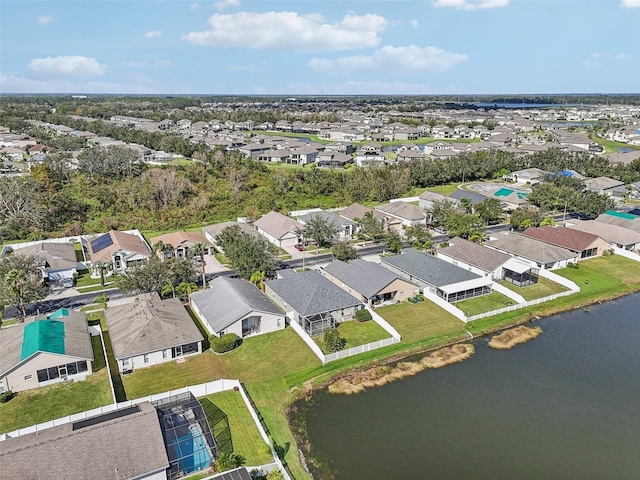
{"points": [[299, 247]]}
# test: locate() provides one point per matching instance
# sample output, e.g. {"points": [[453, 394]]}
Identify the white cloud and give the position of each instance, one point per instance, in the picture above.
{"points": [[44, 19], [622, 56], [227, 3], [349, 88], [289, 31], [414, 23], [472, 4], [630, 4], [392, 60], [72, 66], [194, 6], [153, 33], [15, 83]]}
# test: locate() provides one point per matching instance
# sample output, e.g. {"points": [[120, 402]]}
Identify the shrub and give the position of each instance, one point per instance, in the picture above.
{"points": [[228, 461], [575, 265], [363, 315], [6, 396], [225, 343], [275, 475], [333, 341]]}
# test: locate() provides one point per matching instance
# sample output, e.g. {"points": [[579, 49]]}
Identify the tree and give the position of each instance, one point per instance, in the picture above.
{"points": [[489, 210], [320, 229], [548, 222], [228, 461], [466, 205], [247, 253], [371, 227], [151, 277], [333, 341], [419, 233], [464, 224], [257, 278], [198, 250], [343, 250], [21, 281], [394, 241], [441, 211], [522, 219], [184, 289]]}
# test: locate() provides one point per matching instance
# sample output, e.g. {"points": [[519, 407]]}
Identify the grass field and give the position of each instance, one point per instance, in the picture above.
{"points": [[543, 288], [603, 275], [245, 436], [611, 146], [356, 333], [485, 303], [417, 321]]}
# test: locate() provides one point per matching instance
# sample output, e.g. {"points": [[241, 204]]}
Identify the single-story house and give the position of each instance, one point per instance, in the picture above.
{"points": [[357, 211], [58, 264], [619, 236], [409, 155], [312, 301], [120, 250], [369, 282], [346, 228], [427, 199], [475, 197], [180, 244], [621, 219], [126, 444], [438, 276], [539, 253], [528, 175], [279, 229], [407, 214], [150, 331], [603, 185], [45, 350], [233, 305], [488, 262], [211, 232], [586, 245], [330, 159]]}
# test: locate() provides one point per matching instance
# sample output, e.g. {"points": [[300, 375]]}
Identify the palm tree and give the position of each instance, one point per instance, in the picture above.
{"points": [[15, 281], [257, 278], [185, 289], [169, 288], [199, 249]]}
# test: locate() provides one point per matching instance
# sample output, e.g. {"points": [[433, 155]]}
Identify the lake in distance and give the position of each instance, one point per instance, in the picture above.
{"points": [[565, 405]]}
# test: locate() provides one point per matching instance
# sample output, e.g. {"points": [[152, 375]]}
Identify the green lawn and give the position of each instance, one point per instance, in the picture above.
{"points": [[356, 333], [611, 146], [258, 358], [78, 248], [418, 321], [485, 303], [603, 275], [42, 404], [245, 436], [543, 288]]}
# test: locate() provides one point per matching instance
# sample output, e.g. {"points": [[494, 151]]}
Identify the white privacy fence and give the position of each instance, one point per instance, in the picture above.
{"points": [[197, 391], [626, 253], [326, 358]]}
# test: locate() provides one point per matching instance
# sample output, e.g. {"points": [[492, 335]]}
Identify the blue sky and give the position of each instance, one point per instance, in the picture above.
{"points": [[320, 47]]}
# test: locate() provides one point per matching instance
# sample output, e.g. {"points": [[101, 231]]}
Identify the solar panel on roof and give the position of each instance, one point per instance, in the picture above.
{"points": [[123, 412], [101, 242], [635, 211]]}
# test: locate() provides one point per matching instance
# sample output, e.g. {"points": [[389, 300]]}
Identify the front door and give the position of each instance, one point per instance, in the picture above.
{"points": [[177, 352], [63, 372]]}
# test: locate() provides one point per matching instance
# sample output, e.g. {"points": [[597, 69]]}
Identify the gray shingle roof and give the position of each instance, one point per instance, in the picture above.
{"points": [[431, 270], [55, 255], [148, 325], [473, 196], [218, 228], [277, 224], [227, 300], [404, 210], [610, 233], [77, 341], [126, 447], [365, 278], [473, 254], [329, 217], [530, 248], [309, 293]]}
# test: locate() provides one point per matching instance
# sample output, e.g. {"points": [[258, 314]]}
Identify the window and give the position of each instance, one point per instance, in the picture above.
{"points": [[146, 358], [164, 354], [43, 376], [28, 377], [72, 368], [279, 324], [125, 362], [53, 373], [82, 366]]}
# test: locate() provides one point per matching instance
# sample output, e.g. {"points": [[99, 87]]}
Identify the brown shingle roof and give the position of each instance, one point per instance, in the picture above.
{"points": [[562, 237], [120, 241], [179, 239], [277, 224]]}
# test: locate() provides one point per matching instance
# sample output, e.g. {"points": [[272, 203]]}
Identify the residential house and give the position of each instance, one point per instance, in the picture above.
{"points": [[233, 305], [211, 232], [278, 155], [369, 158], [329, 159], [58, 262], [603, 185], [356, 212], [528, 175], [427, 199], [586, 245], [369, 282], [254, 149], [279, 229], [407, 214], [409, 155], [621, 219], [488, 262], [618, 236], [541, 254], [126, 444], [150, 331], [474, 197], [303, 155], [43, 350], [119, 250], [181, 245], [437, 276], [346, 228], [312, 301]]}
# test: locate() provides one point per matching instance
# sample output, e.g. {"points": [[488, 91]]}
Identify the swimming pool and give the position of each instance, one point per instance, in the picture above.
{"points": [[192, 451]]}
